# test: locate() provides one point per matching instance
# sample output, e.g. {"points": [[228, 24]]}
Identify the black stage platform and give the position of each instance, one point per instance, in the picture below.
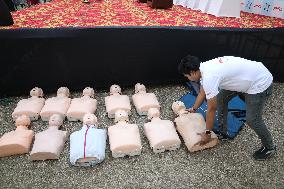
{"points": [[102, 56]]}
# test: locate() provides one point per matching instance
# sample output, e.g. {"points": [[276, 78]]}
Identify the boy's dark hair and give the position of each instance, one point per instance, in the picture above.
{"points": [[188, 64]]}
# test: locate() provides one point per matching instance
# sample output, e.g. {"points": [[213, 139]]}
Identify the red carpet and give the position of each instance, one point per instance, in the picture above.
{"points": [[74, 13]]}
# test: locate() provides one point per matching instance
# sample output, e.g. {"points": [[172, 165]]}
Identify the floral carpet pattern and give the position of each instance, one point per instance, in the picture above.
{"points": [[74, 13]]}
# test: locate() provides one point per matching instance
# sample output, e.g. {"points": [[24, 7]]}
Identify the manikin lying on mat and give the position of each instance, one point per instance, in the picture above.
{"points": [[190, 125], [81, 106], [87, 146], [116, 101], [49, 143], [143, 101], [124, 138], [56, 105], [18, 141], [161, 134], [31, 106]]}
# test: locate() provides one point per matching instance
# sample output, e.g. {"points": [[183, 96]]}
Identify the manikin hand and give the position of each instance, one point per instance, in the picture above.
{"points": [[205, 138]]}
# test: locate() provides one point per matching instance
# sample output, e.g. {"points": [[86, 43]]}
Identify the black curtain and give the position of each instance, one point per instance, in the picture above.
{"points": [[101, 56], [6, 18], [10, 5]]}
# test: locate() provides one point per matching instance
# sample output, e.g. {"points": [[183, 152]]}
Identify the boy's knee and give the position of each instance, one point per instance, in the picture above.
{"points": [[254, 121]]}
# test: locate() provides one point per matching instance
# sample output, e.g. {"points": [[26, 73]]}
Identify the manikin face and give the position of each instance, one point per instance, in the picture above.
{"points": [[55, 120], [23, 120], [193, 76], [177, 107], [89, 119], [63, 91], [120, 115], [88, 91], [139, 88], [153, 112], [114, 89], [36, 92]]}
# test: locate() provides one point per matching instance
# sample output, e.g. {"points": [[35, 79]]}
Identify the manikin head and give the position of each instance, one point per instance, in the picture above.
{"points": [[115, 89], [153, 113], [189, 67], [23, 120], [88, 91], [121, 115], [55, 120], [63, 92], [178, 107], [36, 92], [140, 88], [90, 119]]}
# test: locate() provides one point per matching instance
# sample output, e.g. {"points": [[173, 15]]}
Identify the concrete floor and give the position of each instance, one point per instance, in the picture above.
{"points": [[229, 165]]}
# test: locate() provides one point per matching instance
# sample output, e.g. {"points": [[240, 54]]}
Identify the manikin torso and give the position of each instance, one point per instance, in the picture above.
{"points": [[87, 146], [161, 134], [143, 101], [116, 101], [189, 125], [18, 141], [49, 143], [81, 106], [56, 105], [31, 106], [124, 138]]}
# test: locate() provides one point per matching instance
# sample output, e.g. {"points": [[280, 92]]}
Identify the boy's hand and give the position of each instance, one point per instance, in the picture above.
{"points": [[205, 138], [191, 110]]}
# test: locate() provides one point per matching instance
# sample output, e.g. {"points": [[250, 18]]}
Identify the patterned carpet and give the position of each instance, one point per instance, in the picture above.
{"points": [[74, 13]]}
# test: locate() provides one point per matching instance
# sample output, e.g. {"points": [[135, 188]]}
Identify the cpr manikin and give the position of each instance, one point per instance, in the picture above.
{"points": [[18, 141], [161, 134], [143, 101], [87, 146], [49, 143], [189, 125], [81, 106], [116, 101], [31, 106], [56, 105], [124, 138]]}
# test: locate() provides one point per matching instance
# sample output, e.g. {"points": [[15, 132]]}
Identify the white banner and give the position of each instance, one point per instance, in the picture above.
{"points": [[273, 8]]}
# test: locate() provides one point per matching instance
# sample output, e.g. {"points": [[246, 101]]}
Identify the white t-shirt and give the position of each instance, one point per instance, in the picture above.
{"points": [[234, 74]]}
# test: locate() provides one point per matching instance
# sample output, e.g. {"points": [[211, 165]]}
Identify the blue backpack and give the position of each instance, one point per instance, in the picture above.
{"points": [[236, 110]]}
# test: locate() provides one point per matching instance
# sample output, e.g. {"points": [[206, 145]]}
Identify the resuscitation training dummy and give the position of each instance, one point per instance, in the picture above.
{"points": [[143, 101], [189, 125], [87, 146], [49, 144], [116, 101], [56, 105], [81, 106], [18, 141], [161, 134], [124, 138], [31, 106]]}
